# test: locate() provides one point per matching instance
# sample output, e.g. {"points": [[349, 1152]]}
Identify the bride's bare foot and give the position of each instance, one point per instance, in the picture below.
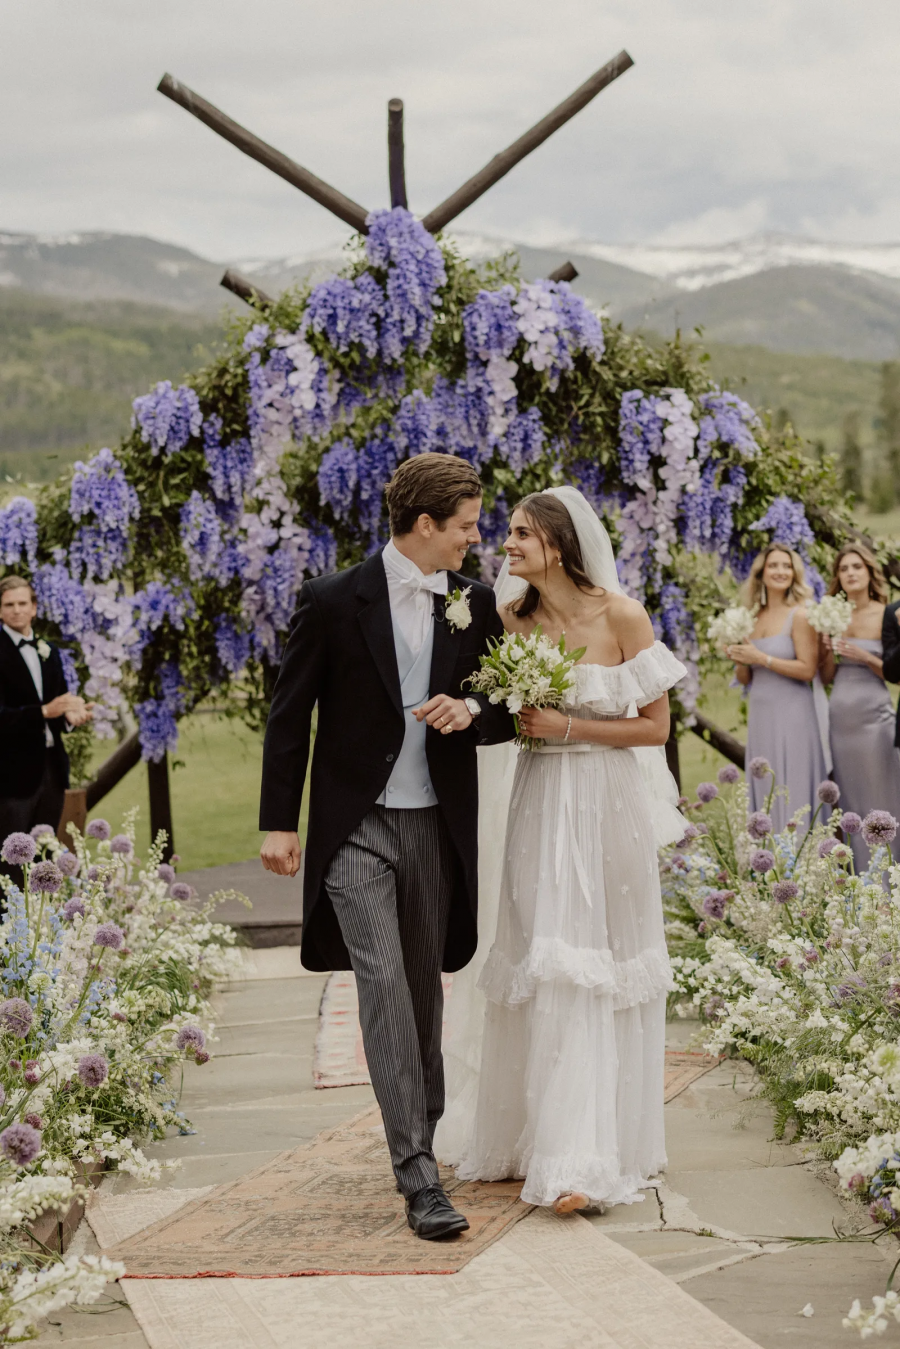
{"points": [[570, 1202]]}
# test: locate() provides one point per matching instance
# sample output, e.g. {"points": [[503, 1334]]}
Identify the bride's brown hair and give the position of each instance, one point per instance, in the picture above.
{"points": [[553, 525]]}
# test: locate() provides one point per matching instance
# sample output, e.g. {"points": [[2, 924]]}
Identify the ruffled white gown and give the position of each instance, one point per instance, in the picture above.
{"points": [[570, 1088]]}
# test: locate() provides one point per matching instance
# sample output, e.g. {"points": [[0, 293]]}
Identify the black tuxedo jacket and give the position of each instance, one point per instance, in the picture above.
{"points": [[890, 641], [340, 655], [23, 748]]}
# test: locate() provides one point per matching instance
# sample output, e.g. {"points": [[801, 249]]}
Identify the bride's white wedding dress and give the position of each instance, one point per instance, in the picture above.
{"points": [[565, 1087]]}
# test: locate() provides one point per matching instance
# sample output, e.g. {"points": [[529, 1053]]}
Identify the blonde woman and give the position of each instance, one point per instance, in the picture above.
{"points": [[866, 763], [778, 664]]}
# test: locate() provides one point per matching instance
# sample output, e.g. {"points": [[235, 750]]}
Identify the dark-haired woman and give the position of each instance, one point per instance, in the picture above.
{"points": [[866, 762]]}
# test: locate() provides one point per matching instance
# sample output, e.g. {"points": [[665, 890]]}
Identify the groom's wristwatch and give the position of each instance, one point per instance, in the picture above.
{"points": [[474, 707]]}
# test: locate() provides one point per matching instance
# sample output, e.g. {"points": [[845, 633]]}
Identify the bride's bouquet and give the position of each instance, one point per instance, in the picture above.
{"points": [[525, 671], [732, 626], [831, 617]]}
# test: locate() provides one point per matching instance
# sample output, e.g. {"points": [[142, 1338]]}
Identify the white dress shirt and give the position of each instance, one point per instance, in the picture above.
{"points": [[33, 661], [412, 595]]}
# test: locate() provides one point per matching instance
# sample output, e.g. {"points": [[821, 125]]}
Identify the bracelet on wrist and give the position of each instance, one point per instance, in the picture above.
{"points": [[568, 732]]}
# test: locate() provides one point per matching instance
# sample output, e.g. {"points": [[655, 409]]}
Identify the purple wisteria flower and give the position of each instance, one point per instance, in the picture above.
{"points": [[230, 467], [98, 829], [67, 863], [879, 828], [16, 1017], [706, 792], [101, 492], [232, 645], [165, 873], [122, 845], [201, 537], [762, 860], [850, 822], [32, 1073], [109, 934], [182, 891], [45, 878], [190, 1040], [18, 533], [759, 767], [339, 478], [93, 1069], [167, 417], [157, 729], [728, 774], [20, 1143], [716, 902], [73, 906], [759, 824], [826, 846], [400, 244], [828, 792], [784, 891], [18, 849]]}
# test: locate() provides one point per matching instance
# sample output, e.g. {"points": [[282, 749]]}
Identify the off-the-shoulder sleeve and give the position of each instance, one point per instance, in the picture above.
{"points": [[641, 680]]}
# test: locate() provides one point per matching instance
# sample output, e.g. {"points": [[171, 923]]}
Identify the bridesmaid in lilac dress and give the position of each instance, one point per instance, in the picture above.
{"points": [[866, 763], [778, 663]]}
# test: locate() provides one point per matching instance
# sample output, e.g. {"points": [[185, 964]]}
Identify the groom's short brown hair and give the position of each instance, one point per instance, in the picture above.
{"points": [[429, 484]]}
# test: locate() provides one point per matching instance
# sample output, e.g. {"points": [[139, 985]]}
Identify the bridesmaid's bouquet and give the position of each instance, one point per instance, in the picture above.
{"points": [[831, 617], [732, 626], [527, 671]]}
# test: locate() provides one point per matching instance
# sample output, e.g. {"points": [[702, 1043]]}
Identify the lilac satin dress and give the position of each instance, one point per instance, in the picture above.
{"points": [[782, 726], [866, 763]]}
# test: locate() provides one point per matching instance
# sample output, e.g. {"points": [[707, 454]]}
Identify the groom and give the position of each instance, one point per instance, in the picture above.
{"points": [[390, 885]]}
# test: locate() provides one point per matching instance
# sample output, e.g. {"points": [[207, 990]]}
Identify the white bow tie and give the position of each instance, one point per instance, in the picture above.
{"points": [[436, 583]]}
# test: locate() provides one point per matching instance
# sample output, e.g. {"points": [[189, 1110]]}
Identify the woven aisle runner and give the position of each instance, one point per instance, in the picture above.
{"points": [[340, 1059]]}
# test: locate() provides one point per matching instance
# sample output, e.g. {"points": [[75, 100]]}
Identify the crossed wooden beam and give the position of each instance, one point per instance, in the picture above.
{"points": [[350, 211]]}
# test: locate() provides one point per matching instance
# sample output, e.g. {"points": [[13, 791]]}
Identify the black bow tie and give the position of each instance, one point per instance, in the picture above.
{"points": [[28, 641]]}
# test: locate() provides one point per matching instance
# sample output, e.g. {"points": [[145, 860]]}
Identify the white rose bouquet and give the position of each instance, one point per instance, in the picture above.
{"points": [[831, 616], [732, 626], [525, 671]]}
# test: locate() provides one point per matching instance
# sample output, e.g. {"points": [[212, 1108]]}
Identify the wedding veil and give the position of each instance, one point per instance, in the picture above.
{"points": [[596, 549]]}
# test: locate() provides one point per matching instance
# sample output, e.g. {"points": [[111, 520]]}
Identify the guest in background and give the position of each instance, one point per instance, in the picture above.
{"points": [[35, 708], [779, 663], [861, 717]]}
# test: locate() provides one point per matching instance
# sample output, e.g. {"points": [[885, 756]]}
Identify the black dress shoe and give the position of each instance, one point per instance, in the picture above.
{"points": [[431, 1215]]}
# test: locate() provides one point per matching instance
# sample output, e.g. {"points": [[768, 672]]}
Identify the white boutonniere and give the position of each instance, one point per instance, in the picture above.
{"points": [[43, 649], [459, 615]]}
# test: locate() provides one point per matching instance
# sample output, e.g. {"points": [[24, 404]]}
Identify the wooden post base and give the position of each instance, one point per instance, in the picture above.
{"points": [[74, 811]]}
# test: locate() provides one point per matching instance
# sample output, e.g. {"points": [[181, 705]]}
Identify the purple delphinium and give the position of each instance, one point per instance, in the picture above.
{"points": [[715, 903], [98, 829], [729, 773], [122, 845], [18, 849], [182, 891], [762, 860], [826, 846], [879, 827], [46, 878], [190, 1039], [20, 1143], [16, 1017], [73, 906], [706, 792], [93, 1069], [784, 891], [759, 767], [67, 863], [759, 824], [109, 934], [165, 873], [851, 823], [828, 792]]}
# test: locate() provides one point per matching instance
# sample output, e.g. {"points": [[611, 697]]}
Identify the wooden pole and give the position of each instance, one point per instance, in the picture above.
{"points": [[501, 164], [113, 769], [246, 290], [672, 760], [726, 743], [257, 149], [160, 803], [567, 271], [396, 162]]}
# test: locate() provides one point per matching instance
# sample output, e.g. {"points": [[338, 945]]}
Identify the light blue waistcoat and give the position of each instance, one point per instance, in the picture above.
{"points": [[409, 786]]}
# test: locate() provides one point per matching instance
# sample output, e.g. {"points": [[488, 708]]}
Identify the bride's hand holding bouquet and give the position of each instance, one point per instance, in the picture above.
{"points": [[530, 675]]}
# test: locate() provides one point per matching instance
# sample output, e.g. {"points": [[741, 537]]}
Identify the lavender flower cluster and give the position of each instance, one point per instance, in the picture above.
{"points": [[167, 417]]}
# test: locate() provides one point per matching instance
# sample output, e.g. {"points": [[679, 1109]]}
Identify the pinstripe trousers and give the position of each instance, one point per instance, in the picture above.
{"points": [[391, 883]]}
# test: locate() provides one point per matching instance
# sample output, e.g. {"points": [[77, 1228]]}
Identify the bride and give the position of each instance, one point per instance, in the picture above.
{"points": [[558, 1078]]}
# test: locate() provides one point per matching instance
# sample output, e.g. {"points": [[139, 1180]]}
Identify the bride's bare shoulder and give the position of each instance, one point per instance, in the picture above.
{"points": [[630, 622]]}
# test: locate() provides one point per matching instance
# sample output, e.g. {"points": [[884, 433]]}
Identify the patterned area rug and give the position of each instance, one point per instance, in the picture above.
{"points": [[340, 1059], [329, 1207]]}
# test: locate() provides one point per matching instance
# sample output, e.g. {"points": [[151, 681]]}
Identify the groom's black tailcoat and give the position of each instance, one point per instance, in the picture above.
{"points": [[340, 655]]}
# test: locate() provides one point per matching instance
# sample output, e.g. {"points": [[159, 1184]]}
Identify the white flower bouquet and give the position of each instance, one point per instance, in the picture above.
{"points": [[732, 626], [831, 617], [525, 671]]}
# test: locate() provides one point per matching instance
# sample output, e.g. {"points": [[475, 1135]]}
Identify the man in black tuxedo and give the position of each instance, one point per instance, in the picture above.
{"points": [[391, 878], [35, 709], [890, 641]]}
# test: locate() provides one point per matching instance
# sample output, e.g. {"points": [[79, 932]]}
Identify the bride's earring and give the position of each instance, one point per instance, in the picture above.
{"points": [[559, 560]]}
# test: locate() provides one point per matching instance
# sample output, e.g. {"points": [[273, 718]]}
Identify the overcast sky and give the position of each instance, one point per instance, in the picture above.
{"points": [[739, 116]]}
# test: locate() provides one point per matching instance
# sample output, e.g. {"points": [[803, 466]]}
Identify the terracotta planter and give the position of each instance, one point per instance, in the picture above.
{"points": [[74, 811]]}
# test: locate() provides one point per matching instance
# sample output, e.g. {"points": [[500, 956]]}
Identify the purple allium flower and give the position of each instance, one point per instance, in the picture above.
{"points": [[42, 831], [828, 792], [18, 849], [98, 829], [67, 863], [190, 1039], [882, 1211], [784, 891], [760, 767], [181, 890], [93, 1069], [16, 1017], [166, 873], [762, 860], [706, 792], [879, 827], [15, 1065], [119, 1016], [715, 1008], [93, 873], [122, 844], [201, 1058], [21, 1143], [810, 955], [759, 824], [32, 1073], [35, 1121], [71, 907], [46, 878], [109, 934], [826, 846], [715, 903], [783, 964], [851, 822], [728, 774]]}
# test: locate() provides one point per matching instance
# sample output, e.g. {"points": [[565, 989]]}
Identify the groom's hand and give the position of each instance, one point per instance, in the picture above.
{"points": [[281, 852], [444, 714]]}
